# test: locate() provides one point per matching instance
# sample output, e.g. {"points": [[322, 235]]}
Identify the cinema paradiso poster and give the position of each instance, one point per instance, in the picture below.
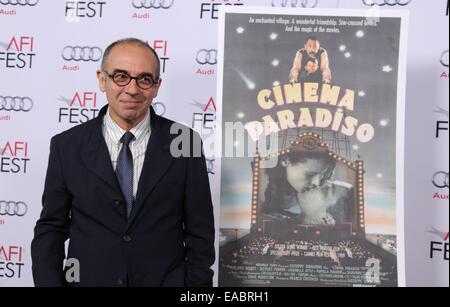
{"points": [[310, 122]]}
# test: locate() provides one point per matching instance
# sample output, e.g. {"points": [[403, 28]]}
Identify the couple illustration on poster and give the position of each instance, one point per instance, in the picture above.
{"points": [[302, 187]]}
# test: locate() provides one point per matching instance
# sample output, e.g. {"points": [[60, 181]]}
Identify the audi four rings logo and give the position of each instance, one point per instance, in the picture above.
{"points": [[440, 180], [153, 4], [19, 2], [444, 58], [386, 2], [159, 108], [16, 104], [13, 208], [82, 53], [207, 56], [295, 3]]}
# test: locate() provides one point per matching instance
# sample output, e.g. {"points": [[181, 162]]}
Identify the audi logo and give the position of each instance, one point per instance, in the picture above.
{"points": [[205, 56], [159, 108], [440, 180], [295, 3], [152, 4], [16, 104], [13, 208], [444, 58], [19, 2], [79, 53], [386, 2]]}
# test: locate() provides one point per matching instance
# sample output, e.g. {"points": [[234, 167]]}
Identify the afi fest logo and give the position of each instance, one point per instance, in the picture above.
{"points": [[206, 58], [439, 247], [14, 157], [204, 122], [11, 261], [161, 47], [210, 10], [444, 62], [295, 3], [80, 108], [75, 11], [441, 125], [19, 52]]}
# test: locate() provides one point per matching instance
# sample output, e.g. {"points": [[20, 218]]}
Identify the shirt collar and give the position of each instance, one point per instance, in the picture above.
{"points": [[116, 132]]}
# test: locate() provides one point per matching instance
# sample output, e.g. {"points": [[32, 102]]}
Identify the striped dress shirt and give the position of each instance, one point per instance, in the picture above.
{"points": [[113, 133]]}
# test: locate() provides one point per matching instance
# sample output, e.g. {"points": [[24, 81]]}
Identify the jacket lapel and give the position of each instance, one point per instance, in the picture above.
{"points": [[96, 155], [156, 163]]}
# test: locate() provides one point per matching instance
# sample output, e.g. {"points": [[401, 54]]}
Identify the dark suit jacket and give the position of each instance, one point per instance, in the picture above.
{"points": [[168, 239]]}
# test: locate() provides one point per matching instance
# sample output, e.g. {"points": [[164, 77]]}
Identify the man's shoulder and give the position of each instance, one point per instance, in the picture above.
{"points": [[166, 122], [76, 132]]}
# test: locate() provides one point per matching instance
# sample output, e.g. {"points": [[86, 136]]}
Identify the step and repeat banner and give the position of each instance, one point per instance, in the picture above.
{"points": [[50, 51]]}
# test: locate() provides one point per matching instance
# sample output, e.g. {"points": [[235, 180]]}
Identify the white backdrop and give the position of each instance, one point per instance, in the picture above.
{"points": [[48, 84]]}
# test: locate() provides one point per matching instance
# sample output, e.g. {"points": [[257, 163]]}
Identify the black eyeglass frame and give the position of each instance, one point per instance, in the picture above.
{"points": [[150, 76]]}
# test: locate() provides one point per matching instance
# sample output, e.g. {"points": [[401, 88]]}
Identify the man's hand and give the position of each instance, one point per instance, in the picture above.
{"points": [[293, 76], [326, 78]]}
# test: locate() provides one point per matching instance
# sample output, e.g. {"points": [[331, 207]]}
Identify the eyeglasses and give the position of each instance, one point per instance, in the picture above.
{"points": [[143, 81]]}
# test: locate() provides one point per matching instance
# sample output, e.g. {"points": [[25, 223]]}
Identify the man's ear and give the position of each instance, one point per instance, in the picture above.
{"points": [[101, 80], [156, 88]]}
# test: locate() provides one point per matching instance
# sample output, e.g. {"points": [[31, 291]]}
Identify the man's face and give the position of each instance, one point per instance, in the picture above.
{"points": [[312, 47], [128, 104], [311, 67], [307, 175]]}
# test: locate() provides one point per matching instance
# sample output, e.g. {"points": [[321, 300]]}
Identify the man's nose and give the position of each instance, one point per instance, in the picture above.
{"points": [[315, 181], [132, 88]]}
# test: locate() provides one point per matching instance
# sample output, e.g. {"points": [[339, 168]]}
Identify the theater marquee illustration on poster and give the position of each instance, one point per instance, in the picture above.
{"points": [[310, 119]]}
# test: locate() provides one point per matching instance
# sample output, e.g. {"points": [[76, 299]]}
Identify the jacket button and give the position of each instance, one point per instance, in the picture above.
{"points": [[120, 282], [117, 203], [127, 238]]}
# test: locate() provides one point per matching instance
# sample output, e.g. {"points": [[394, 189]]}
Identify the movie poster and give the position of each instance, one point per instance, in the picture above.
{"points": [[311, 118]]}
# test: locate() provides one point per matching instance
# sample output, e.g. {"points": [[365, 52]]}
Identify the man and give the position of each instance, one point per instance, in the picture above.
{"points": [[135, 214], [311, 49]]}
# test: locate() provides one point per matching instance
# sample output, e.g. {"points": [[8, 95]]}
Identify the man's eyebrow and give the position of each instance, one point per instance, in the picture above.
{"points": [[120, 70], [126, 72], [147, 74]]}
